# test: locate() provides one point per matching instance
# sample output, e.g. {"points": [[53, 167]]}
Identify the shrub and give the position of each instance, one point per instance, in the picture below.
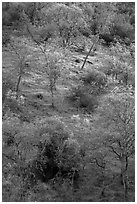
{"points": [[122, 27], [45, 32], [95, 78], [74, 93], [57, 155], [88, 101], [107, 37], [69, 20], [81, 97]]}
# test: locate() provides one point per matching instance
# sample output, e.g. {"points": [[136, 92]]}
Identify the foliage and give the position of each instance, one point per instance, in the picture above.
{"points": [[116, 21], [72, 20], [46, 32], [95, 78], [123, 67], [82, 151], [82, 97], [85, 95], [33, 160], [68, 20], [123, 28], [57, 154]]}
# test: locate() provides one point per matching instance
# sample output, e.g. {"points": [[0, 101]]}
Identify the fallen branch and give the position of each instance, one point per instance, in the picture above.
{"points": [[89, 52]]}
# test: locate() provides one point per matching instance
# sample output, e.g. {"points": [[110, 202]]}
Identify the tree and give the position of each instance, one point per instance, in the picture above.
{"points": [[117, 117], [122, 27], [103, 15], [22, 67], [123, 63], [113, 19], [51, 64], [53, 73], [68, 20], [12, 78]]}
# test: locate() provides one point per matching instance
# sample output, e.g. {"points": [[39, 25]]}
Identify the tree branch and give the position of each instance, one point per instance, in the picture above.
{"points": [[114, 151], [102, 166]]}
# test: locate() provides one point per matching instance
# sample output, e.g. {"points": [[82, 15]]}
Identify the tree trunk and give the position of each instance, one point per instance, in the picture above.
{"points": [[124, 176], [52, 98], [17, 86]]}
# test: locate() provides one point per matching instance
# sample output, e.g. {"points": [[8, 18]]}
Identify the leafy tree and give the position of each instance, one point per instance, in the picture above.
{"points": [[103, 15], [122, 27], [12, 20], [68, 19], [117, 117], [117, 19]]}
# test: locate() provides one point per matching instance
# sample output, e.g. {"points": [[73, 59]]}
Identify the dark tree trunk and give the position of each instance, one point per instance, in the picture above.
{"points": [[124, 176], [17, 86]]}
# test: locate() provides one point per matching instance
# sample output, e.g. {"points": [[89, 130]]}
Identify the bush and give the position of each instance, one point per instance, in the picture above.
{"points": [[45, 32], [81, 97], [107, 37], [95, 78], [88, 101], [122, 28], [57, 156]]}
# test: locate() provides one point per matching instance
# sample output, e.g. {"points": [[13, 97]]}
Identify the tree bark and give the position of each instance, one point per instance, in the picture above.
{"points": [[124, 176]]}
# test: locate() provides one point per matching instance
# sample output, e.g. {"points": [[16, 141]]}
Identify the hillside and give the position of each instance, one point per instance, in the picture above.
{"points": [[68, 131]]}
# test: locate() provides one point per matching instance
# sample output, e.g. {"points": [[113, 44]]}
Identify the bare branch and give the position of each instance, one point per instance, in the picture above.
{"points": [[114, 151]]}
